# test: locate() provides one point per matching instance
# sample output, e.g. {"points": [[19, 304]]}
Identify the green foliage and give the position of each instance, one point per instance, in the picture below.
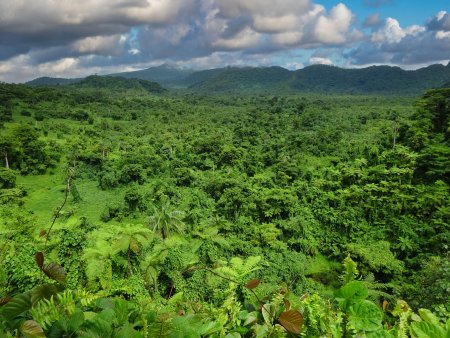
{"points": [[248, 202]]}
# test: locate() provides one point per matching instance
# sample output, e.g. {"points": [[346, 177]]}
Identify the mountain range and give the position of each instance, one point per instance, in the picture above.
{"points": [[315, 79]]}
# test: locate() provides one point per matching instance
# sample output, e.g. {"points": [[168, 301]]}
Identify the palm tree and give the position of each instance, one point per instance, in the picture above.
{"points": [[130, 239], [166, 221], [99, 261]]}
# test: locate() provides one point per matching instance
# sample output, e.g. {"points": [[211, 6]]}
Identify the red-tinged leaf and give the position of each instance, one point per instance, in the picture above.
{"points": [[252, 283], [39, 259], [292, 321], [4, 300], [31, 329], [55, 272], [287, 304], [42, 233], [16, 306]]}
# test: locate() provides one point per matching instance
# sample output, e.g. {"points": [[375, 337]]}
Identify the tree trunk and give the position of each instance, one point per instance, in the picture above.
{"points": [[129, 261], [6, 160]]}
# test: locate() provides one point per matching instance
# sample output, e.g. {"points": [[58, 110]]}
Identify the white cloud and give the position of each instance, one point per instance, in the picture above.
{"points": [[332, 29], [103, 45], [391, 32], [244, 39], [320, 61], [413, 45]]}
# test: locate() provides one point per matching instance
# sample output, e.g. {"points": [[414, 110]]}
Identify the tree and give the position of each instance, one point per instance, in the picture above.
{"points": [[167, 221], [6, 148], [130, 239]]}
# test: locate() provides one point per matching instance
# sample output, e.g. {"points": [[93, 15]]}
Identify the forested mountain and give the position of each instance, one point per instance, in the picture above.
{"points": [[165, 75], [131, 212], [324, 79], [313, 79], [51, 81], [116, 83], [238, 79]]}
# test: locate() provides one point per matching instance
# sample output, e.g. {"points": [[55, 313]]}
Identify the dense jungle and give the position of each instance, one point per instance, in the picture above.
{"points": [[129, 210]]}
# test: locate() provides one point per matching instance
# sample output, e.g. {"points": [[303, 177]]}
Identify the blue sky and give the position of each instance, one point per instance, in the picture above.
{"points": [[67, 38]]}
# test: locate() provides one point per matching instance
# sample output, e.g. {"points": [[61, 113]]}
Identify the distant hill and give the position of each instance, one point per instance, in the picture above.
{"points": [[165, 75], [51, 81], [322, 79], [315, 79], [118, 83], [238, 79]]}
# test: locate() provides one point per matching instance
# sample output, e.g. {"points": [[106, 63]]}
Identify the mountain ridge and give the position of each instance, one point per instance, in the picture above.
{"points": [[382, 79]]}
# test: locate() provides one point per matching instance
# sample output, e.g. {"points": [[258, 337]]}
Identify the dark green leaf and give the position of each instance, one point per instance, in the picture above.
{"points": [[44, 291], [16, 306]]}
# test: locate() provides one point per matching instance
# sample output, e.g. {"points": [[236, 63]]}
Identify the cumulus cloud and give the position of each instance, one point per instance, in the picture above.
{"points": [[75, 38], [414, 44]]}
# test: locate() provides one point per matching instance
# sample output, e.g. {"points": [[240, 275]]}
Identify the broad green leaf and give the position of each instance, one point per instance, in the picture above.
{"points": [[428, 316], [365, 316], [351, 293], [427, 330]]}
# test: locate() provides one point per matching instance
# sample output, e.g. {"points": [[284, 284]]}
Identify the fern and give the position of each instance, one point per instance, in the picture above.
{"points": [[350, 270], [46, 312], [404, 313]]}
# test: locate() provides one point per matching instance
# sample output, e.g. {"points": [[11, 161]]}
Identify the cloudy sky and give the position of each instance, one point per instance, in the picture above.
{"points": [[71, 38]]}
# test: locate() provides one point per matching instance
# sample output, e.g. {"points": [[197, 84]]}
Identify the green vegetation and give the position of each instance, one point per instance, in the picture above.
{"points": [[130, 211]]}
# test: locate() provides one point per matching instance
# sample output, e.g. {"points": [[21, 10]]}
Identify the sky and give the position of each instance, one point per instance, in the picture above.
{"points": [[67, 38]]}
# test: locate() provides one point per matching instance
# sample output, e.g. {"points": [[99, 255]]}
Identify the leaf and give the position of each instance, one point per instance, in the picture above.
{"points": [[252, 283], [351, 293], [16, 306], [4, 300], [428, 316], [55, 272], [427, 330], [42, 233], [44, 291], [39, 259], [287, 304], [292, 321], [31, 329], [365, 316]]}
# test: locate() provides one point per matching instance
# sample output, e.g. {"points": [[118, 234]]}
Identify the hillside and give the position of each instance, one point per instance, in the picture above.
{"points": [[323, 79], [238, 79], [118, 83], [166, 75], [51, 81]]}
